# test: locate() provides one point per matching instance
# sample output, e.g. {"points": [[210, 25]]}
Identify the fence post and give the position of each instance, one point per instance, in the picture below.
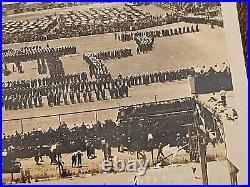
{"points": [[96, 116], [59, 118], [21, 125]]}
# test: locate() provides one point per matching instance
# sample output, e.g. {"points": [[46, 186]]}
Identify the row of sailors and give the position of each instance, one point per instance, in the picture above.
{"points": [[22, 102], [118, 92], [30, 53], [54, 98], [110, 27], [133, 80], [128, 36], [46, 81], [41, 66], [74, 82], [17, 67], [114, 54]]}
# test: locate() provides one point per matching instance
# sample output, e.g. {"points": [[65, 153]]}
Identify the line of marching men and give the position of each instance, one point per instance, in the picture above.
{"points": [[128, 36], [77, 88], [29, 94], [114, 54]]}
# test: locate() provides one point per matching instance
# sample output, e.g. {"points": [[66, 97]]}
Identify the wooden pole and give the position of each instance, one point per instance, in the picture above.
{"points": [[189, 144], [203, 160], [96, 117], [21, 125], [59, 118]]}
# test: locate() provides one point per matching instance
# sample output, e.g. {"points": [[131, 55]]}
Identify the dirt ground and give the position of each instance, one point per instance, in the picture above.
{"points": [[217, 175], [83, 174]]}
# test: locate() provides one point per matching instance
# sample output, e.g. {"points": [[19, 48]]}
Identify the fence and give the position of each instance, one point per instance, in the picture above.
{"points": [[10, 126]]}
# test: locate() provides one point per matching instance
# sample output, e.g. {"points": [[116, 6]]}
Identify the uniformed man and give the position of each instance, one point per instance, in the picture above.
{"points": [[72, 99], [65, 98], [85, 96], [78, 96]]}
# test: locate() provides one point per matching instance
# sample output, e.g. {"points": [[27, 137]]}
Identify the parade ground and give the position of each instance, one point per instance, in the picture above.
{"points": [[194, 49]]}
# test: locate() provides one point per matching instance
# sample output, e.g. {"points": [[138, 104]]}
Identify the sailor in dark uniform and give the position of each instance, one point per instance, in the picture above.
{"points": [[184, 30], [65, 98], [97, 92], [78, 96], [197, 28], [85, 96], [103, 94], [40, 101], [90, 96], [72, 99], [179, 30]]}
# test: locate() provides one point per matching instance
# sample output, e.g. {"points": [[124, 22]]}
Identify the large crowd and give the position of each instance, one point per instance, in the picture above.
{"points": [[151, 128], [27, 31], [92, 22], [141, 127], [103, 20], [154, 108], [44, 6]]}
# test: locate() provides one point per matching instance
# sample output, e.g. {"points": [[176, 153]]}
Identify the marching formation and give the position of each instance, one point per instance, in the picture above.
{"points": [[113, 54], [76, 88], [144, 43], [128, 36], [96, 66], [29, 53]]}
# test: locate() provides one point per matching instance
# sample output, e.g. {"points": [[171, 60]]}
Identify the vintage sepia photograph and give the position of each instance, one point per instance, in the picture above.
{"points": [[123, 93]]}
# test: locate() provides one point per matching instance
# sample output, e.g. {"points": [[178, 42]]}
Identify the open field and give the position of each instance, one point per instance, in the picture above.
{"points": [[85, 174]]}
